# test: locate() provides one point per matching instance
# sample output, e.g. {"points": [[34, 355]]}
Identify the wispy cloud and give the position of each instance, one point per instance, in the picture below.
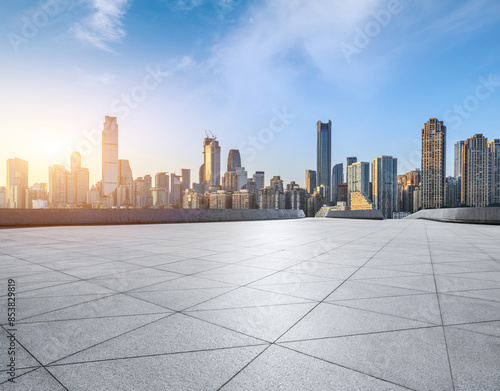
{"points": [[104, 25], [93, 80]]}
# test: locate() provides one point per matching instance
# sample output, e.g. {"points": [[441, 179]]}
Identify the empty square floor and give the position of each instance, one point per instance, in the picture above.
{"points": [[310, 304]]}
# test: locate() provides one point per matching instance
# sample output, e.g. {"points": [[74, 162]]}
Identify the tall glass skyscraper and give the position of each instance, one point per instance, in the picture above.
{"points": [[324, 156], [211, 151], [233, 160], [337, 179], [110, 164]]}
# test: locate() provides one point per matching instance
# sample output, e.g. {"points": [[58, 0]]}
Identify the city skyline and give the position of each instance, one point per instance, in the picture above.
{"points": [[219, 73]]}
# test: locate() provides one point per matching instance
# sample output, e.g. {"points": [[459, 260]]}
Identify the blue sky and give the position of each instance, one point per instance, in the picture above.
{"points": [[258, 74]]}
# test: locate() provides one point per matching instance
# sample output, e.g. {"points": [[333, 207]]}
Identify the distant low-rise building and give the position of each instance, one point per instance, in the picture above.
{"points": [[243, 199], [221, 200]]}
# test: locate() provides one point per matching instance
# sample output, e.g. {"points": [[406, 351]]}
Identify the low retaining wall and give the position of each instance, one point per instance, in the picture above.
{"points": [[460, 215], [355, 214], [45, 217]]}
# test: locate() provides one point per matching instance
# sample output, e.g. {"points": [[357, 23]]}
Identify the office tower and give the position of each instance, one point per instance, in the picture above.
{"points": [[494, 148], [310, 181], [241, 178], [433, 163], [17, 183], [458, 159], [58, 182], [243, 199], [175, 190], [110, 164], [358, 179], [324, 155], [82, 182], [350, 160], [251, 187], [233, 160], [76, 161], [452, 192], [259, 180], [186, 179], [337, 179], [385, 185], [475, 172], [211, 151], [161, 180], [125, 177], [3, 197]]}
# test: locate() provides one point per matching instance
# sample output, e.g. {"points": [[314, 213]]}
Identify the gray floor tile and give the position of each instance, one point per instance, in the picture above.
{"points": [[282, 369], [413, 358]]}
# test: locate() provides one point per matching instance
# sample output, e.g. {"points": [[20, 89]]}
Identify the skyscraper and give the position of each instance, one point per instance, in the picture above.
{"points": [[233, 160], [175, 190], [350, 160], [76, 161], [259, 180], [126, 178], [457, 167], [17, 183], [433, 163], [58, 185], [211, 151], [110, 164], [385, 185], [475, 171], [358, 179], [310, 181], [186, 179], [324, 156], [494, 147], [337, 179]]}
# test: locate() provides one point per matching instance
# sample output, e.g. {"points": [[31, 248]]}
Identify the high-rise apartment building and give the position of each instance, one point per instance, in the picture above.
{"points": [[324, 156], [17, 183], [233, 160], [457, 159], [110, 163], [82, 183], [494, 147], [407, 185], [358, 179], [310, 181], [452, 192], [433, 163], [475, 172], [337, 179], [211, 152], [350, 160], [385, 185]]}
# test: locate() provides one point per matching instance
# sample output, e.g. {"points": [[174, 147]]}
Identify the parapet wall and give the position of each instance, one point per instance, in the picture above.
{"points": [[355, 214], [460, 215], [47, 217]]}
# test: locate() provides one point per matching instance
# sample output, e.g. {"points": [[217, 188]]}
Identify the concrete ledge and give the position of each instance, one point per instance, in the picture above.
{"points": [[47, 217], [355, 214], [460, 215]]}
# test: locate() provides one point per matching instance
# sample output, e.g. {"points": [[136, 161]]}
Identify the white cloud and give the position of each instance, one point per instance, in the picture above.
{"points": [[104, 25], [94, 80]]}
